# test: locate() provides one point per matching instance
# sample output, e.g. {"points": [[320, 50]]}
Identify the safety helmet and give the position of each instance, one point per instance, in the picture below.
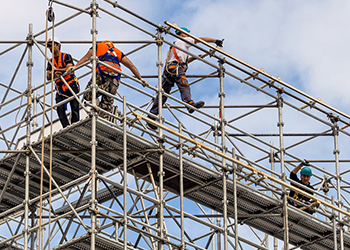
{"points": [[178, 32], [55, 39], [107, 42], [306, 171]]}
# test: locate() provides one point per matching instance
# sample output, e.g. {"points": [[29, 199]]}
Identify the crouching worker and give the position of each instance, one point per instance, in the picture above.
{"points": [[107, 79], [305, 174], [61, 62]]}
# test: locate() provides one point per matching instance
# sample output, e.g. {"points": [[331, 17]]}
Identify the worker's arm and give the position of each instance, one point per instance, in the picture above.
{"points": [[65, 68], [297, 168], [125, 61], [84, 58], [206, 39], [218, 42]]}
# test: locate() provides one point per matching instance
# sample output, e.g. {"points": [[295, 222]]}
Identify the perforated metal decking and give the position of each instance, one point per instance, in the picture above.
{"points": [[71, 160]]}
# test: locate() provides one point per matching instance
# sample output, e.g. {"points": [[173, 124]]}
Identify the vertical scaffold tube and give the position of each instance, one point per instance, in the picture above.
{"points": [[160, 133], [125, 168], [181, 191], [235, 198], [223, 148], [29, 103], [216, 140], [284, 190], [336, 155], [272, 161], [93, 201], [334, 222]]}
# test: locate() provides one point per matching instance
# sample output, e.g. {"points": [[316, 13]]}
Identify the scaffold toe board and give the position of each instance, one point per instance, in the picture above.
{"points": [[71, 160]]}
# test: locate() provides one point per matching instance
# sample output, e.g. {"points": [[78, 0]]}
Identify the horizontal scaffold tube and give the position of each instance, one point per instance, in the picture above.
{"points": [[254, 170]]}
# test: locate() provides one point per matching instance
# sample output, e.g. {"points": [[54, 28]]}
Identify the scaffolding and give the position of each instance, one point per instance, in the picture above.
{"points": [[214, 179]]}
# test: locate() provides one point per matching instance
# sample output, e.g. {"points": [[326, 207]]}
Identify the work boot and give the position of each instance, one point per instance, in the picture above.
{"points": [[151, 126], [197, 105]]}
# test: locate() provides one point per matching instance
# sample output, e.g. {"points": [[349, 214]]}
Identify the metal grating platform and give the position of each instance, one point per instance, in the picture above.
{"points": [[71, 160]]}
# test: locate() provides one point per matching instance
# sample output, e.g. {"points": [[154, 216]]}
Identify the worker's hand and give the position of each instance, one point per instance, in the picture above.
{"points": [[70, 70], [219, 43], [305, 162], [57, 74], [144, 83]]}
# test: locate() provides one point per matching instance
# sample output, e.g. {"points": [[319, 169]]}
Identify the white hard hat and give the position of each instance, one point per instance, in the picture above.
{"points": [[55, 39]]}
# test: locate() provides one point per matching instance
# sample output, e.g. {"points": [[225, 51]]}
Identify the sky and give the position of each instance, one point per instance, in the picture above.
{"points": [[305, 43]]}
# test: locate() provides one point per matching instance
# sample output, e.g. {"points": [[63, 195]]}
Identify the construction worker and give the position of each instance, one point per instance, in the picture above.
{"points": [[61, 62], [305, 175], [107, 79], [175, 72]]}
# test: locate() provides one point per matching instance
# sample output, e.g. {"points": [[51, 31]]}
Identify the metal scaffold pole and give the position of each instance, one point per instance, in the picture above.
{"points": [[235, 207], [125, 177], [183, 246], [29, 105], [223, 148], [161, 146], [272, 162], [93, 201], [336, 153], [284, 178]]}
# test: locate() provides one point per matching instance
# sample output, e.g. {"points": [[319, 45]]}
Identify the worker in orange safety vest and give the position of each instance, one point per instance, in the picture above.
{"points": [[107, 79], [62, 62]]}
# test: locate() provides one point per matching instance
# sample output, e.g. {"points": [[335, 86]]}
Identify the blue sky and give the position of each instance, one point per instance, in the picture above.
{"points": [[306, 43]]}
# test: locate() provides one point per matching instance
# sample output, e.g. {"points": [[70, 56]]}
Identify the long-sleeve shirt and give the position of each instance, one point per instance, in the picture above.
{"points": [[298, 196]]}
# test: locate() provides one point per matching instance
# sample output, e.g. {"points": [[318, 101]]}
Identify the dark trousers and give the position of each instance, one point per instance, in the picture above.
{"points": [[168, 80], [74, 106]]}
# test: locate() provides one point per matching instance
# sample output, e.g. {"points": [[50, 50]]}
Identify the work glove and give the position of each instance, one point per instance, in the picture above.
{"points": [[305, 162], [70, 70], [144, 83], [219, 43]]}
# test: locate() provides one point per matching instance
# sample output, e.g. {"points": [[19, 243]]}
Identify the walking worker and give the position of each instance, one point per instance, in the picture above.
{"points": [[107, 79], [305, 175], [62, 62], [175, 72]]}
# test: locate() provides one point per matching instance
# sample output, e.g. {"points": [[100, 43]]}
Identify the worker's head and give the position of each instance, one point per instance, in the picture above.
{"points": [[178, 32], [109, 43], [305, 175], [57, 46]]}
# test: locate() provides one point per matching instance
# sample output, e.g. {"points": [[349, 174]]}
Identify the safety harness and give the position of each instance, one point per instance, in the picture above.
{"points": [[110, 58], [177, 63], [60, 86]]}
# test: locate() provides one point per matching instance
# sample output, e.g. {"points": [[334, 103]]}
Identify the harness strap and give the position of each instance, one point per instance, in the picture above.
{"points": [[176, 56]]}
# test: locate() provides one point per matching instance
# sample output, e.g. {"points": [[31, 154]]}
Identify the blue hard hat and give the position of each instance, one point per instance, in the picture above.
{"points": [[306, 171], [178, 32]]}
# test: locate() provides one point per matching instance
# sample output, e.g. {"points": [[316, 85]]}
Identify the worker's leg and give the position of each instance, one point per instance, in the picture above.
{"points": [[110, 85], [88, 95], [184, 87], [61, 111], [167, 84], [74, 104], [185, 91]]}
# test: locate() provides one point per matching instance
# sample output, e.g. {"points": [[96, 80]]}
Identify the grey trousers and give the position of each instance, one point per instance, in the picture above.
{"points": [[169, 78]]}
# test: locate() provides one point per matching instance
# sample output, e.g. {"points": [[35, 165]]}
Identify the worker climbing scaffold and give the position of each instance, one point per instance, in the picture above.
{"points": [[175, 72]]}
